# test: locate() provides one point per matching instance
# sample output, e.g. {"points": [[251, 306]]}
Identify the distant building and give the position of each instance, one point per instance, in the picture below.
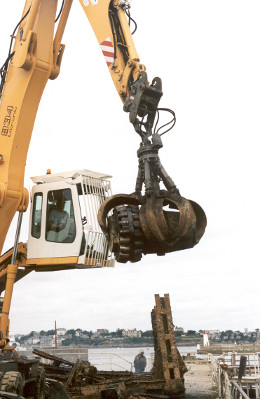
{"points": [[32, 341], [94, 335], [60, 338], [17, 336], [84, 334], [214, 335], [179, 329], [47, 341], [132, 333], [61, 331], [102, 331]]}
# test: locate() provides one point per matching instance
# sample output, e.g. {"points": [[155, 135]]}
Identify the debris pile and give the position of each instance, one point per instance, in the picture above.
{"points": [[166, 380]]}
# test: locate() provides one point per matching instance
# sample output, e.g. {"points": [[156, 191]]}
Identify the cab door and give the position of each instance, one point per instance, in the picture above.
{"points": [[55, 232]]}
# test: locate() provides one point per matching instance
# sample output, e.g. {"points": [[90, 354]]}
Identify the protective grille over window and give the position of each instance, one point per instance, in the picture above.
{"points": [[92, 192]]}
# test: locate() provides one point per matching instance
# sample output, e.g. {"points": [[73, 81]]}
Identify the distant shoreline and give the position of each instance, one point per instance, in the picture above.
{"points": [[115, 346], [137, 345]]}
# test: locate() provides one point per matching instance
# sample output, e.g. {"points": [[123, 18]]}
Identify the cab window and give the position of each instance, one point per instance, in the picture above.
{"points": [[60, 221], [37, 215]]}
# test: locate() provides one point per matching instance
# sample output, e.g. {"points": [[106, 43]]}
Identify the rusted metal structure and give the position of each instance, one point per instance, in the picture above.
{"points": [[168, 364]]}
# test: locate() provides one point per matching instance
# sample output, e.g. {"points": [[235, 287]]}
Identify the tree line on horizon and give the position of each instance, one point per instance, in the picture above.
{"points": [[79, 336]]}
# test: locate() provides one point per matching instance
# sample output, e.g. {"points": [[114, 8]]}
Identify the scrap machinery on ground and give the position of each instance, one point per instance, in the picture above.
{"points": [[75, 221]]}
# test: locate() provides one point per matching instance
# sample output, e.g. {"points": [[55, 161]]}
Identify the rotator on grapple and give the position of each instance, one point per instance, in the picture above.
{"points": [[139, 223]]}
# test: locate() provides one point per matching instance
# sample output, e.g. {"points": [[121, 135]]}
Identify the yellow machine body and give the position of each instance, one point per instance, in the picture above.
{"points": [[36, 57]]}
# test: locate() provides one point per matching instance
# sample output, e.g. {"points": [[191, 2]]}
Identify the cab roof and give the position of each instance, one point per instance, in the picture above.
{"points": [[73, 175]]}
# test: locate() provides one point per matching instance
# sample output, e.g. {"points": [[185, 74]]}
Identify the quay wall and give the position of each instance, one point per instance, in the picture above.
{"points": [[218, 349], [70, 354]]}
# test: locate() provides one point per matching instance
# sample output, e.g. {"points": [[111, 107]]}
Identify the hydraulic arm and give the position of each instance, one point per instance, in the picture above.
{"points": [[139, 223], [35, 58], [136, 223]]}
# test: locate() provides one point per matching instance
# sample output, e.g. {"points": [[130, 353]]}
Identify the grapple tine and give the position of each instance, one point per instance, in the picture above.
{"points": [[201, 220], [153, 214]]}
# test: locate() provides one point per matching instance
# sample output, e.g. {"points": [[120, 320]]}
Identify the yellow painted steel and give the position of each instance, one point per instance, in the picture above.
{"points": [[128, 37], [58, 48], [28, 73], [37, 57], [31, 66], [53, 261], [70, 260], [4, 320], [97, 12]]}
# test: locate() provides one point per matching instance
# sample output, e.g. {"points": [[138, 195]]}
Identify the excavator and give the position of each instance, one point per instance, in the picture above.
{"points": [[75, 221]]}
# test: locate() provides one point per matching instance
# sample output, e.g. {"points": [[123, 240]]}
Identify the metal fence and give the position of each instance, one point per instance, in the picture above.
{"points": [[225, 376], [232, 360], [112, 361]]}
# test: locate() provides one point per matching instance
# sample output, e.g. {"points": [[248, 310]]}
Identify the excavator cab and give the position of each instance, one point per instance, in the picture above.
{"points": [[64, 230]]}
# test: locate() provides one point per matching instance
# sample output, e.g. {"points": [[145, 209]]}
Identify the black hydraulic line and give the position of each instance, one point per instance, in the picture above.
{"points": [[131, 19], [62, 5], [118, 36], [25, 15], [173, 121], [113, 32], [3, 70]]}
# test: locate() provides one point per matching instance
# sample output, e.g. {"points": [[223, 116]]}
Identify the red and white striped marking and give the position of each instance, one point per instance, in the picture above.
{"points": [[108, 51]]}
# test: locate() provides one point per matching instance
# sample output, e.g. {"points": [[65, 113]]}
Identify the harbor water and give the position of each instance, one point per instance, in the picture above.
{"points": [[119, 359]]}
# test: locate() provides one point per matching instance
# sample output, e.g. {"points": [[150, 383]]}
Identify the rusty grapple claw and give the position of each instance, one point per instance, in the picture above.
{"points": [[171, 224], [158, 221], [151, 225]]}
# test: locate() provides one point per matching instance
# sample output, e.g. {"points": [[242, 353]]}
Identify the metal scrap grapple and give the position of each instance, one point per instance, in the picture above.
{"points": [[158, 220]]}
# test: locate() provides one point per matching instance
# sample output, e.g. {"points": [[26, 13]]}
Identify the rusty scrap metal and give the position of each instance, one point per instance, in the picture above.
{"points": [[73, 373], [82, 380], [168, 364], [56, 359]]}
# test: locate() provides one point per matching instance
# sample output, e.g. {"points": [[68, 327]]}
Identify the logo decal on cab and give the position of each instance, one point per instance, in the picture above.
{"points": [[86, 2]]}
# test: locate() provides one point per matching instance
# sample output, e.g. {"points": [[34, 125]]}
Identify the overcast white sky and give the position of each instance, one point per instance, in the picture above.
{"points": [[207, 54]]}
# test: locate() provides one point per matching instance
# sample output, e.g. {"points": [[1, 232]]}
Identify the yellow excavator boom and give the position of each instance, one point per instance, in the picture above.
{"points": [[36, 57]]}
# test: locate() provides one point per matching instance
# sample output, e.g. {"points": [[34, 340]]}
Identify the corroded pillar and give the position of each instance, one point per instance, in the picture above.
{"points": [[168, 363]]}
